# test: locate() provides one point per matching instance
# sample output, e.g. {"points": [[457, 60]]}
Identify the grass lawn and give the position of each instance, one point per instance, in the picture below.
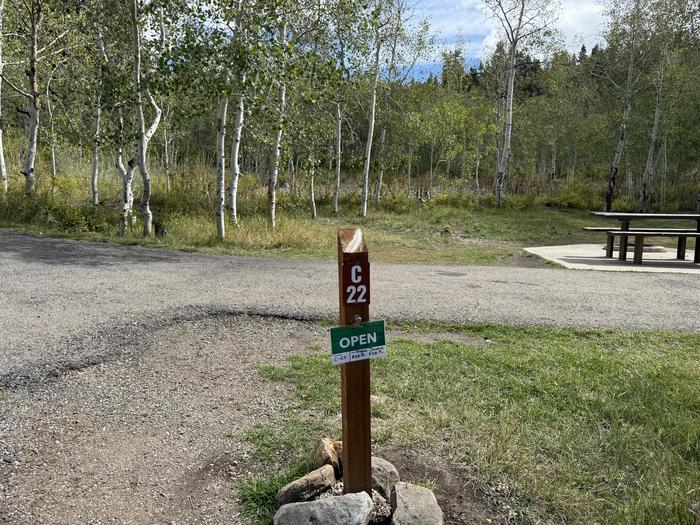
{"points": [[562, 425], [437, 234]]}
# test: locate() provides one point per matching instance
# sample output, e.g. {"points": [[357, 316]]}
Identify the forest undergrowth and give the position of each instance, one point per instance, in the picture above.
{"points": [[452, 227]]}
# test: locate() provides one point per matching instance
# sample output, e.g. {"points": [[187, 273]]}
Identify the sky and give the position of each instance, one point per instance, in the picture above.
{"points": [[454, 21]]}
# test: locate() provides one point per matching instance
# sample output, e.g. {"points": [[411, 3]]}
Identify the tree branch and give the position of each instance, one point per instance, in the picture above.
{"points": [[18, 90], [537, 29], [57, 52], [505, 21], [156, 118], [59, 37], [608, 78]]}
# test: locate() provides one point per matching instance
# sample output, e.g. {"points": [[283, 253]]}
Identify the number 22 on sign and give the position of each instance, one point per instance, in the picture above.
{"points": [[356, 283]]}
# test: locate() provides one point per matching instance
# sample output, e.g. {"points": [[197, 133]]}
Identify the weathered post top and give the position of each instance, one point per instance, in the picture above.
{"points": [[351, 241]]}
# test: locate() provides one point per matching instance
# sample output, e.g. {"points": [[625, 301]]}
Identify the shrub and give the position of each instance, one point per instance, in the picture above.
{"points": [[69, 186], [577, 194], [462, 200], [55, 213], [682, 197], [624, 203]]}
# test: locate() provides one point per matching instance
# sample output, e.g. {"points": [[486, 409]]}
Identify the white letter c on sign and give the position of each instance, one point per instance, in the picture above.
{"points": [[354, 274]]}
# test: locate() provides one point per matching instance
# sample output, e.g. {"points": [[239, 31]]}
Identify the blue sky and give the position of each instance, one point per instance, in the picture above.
{"points": [[465, 22]]}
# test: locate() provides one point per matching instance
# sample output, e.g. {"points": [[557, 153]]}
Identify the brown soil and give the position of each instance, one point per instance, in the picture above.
{"points": [[152, 435], [461, 501]]}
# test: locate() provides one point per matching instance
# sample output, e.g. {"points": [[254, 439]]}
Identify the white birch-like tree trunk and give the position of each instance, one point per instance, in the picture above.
{"points": [[553, 166], [477, 152], [292, 170], [312, 192], [166, 157], [126, 174], [338, 144], [52, 131], [622, 139], [649, 168], [432, 169], [34, 107], [629, 178], [387, 94], [235, 154], [3, 166], [664, 173], [164, 49], [574, 163], [370, 132], [221, 169], [52, 128], [380, 173], [274, 171], [521, 20], [408, 169], [507, 128], [96, 151], [617, 156], [144, 135]]}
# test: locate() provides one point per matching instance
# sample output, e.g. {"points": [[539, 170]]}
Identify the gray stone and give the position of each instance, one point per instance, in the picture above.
{"points": [[351, 509], [414, 505], [384, 476], [307, 487]]}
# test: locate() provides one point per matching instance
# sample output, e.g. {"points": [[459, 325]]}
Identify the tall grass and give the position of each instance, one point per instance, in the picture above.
{"points": [[452, 228]]}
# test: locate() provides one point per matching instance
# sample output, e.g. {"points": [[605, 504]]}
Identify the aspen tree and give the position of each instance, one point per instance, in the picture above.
{"points": [[520, 21]]}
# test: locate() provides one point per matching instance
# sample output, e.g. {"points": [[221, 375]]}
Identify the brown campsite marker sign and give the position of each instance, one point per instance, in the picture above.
{"points": [[353, 274]]}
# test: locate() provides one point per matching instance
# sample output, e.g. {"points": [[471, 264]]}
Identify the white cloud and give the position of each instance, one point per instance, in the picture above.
{"points": [[579, 21]]}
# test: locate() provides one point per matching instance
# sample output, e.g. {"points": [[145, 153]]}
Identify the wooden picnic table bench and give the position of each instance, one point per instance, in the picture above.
{"points": [[639, 234]]}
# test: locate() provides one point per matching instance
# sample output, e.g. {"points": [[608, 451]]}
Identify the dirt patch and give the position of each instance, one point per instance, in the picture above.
{"points": [[150, 436], [518, 258], [523, 259], [461, 501]]}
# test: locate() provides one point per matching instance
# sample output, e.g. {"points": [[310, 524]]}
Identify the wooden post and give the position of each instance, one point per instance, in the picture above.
{"points": [[357, 446], [609, 247], [682, 243], [624, 226], [638, 249]]}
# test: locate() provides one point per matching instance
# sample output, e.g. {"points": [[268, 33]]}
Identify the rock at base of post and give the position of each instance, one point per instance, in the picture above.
{"points": [[414, 505], [384, 476], [308, 487], [351, 509], [329, 451]]}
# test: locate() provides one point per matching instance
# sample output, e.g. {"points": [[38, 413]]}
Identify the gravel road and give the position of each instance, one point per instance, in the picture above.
{"points": [[53, 290]]}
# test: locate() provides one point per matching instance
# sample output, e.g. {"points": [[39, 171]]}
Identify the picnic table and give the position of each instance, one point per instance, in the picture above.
{"points": [[639, 234]]}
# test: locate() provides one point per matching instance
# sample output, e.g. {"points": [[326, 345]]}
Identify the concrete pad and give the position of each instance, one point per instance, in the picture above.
{"points": [[592, 257]]}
